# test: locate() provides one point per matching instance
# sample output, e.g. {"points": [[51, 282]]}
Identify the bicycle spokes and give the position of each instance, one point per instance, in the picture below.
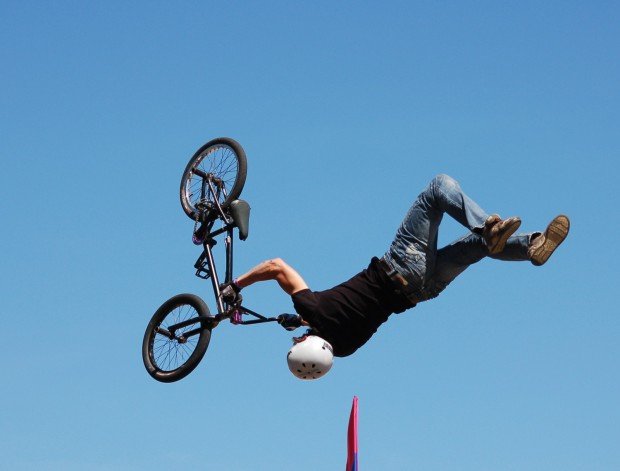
{"points": [[176, 337]]}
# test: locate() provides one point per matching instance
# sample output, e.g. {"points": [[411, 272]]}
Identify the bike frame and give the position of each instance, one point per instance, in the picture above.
{"points": [[205, 264]]}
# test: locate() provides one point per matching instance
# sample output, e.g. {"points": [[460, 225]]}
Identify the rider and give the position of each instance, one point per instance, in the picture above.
{"points": [[413, 270]]}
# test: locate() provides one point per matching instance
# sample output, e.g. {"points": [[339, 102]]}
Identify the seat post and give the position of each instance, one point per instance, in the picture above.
{"points": [[215, 282], [229, 255]]}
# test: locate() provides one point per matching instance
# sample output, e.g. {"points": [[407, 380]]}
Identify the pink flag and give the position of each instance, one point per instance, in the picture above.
{"points": [[352, 438]]}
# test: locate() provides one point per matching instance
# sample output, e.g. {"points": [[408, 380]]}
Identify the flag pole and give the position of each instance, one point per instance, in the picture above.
{"points": [[352, 464]]}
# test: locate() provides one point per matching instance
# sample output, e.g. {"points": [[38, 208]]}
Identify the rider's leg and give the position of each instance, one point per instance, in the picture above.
{"points": [[455, 258], [414, 249]]}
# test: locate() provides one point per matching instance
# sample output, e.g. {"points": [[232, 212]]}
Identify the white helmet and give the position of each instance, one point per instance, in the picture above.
{"points": [[310, 357]]}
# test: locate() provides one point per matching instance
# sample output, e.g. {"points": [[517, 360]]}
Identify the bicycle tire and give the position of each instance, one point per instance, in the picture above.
{"points": [[161, 353], [225, 159]]}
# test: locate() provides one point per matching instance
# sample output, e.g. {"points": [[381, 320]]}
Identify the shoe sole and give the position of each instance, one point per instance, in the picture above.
{"points": [[554, 235], [501, 243]]}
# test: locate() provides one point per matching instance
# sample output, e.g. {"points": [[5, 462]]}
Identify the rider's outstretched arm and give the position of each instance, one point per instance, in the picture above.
{"points": [[274, 269]]}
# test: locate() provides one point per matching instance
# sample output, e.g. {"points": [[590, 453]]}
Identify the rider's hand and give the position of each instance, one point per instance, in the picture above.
{"points": [[289, 321], [230, 293]]}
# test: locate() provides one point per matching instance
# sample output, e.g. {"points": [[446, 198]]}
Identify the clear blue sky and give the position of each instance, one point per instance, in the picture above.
{"points": [[346, 110]]}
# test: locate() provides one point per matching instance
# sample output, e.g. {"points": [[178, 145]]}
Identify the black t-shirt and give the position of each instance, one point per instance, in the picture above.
{"points": [[349, 314]]}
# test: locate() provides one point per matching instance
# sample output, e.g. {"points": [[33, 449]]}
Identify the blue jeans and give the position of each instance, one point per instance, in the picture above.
{"points": [[414, 252]]}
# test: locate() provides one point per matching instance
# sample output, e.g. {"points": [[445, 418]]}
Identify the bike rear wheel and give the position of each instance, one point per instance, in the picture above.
{"points": [[221, 161], [170, 353]]}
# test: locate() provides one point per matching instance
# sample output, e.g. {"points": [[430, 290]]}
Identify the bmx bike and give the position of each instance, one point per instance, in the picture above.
{"points": [[178, 334]]}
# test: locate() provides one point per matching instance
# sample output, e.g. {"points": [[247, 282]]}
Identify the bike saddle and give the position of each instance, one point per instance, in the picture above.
{"points": [[240, 212]]}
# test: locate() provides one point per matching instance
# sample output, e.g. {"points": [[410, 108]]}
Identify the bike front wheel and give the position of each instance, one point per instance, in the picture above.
{"points": [[176, 338], [216, 172]]}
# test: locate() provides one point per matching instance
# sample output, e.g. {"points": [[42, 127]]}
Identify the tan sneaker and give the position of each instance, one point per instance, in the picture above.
{"points": [[543, 246], [497, 231]]}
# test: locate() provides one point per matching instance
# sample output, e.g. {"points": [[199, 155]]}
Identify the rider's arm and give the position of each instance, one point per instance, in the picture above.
{"points": [[274, 269]]}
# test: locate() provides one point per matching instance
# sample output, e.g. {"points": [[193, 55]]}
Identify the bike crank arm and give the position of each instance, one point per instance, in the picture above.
{"points": [[258, 318], [257, 321]]}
